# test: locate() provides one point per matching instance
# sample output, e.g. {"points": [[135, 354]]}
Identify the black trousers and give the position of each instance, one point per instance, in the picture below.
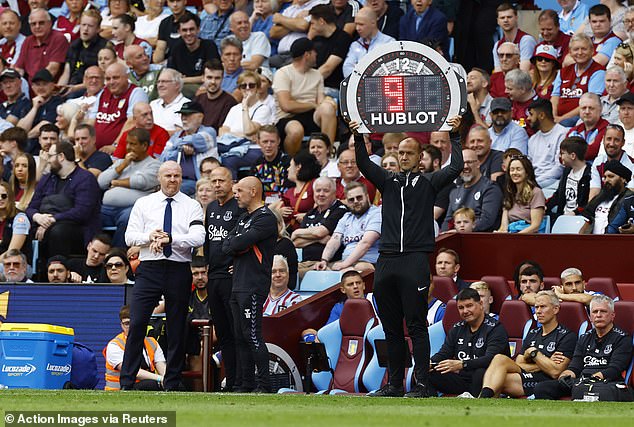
{"points": [[401, 285], [62, 238], [153, 279], [219, 291], [453, 383], [553, 390], [250, 345]]}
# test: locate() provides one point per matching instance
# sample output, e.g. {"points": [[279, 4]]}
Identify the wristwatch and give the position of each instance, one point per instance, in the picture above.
{"points": [[533, 354]]}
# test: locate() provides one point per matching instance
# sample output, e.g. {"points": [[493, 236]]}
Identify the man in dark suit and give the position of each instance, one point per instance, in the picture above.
{"points": [[424, 22]]}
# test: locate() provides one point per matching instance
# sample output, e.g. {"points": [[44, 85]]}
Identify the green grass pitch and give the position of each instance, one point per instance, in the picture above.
{"points": [[213, 409]]}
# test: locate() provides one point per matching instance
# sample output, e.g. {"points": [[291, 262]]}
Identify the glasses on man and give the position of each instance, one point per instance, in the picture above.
{"points": [[247, 85], [348, 162], [355, 199], [15, 264], [117, 265]]}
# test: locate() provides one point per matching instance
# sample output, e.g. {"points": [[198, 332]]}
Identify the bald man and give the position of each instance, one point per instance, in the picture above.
{"points": [[221, 217], [252, 245], [141, 72], [112, 113], [166, 225], [144, 119], [369, 38]]}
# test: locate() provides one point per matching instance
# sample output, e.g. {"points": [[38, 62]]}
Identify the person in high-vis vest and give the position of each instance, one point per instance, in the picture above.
{"points": [[150, 376]]}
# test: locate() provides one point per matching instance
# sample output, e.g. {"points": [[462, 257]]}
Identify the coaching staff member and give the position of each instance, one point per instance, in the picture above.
{"points": [[221, 217], [252, 244], [401, 279], [167, 225]]}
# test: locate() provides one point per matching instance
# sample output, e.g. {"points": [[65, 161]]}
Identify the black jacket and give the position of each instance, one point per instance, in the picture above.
{"points": [[408, 200], [558, 199], [609, 354]]}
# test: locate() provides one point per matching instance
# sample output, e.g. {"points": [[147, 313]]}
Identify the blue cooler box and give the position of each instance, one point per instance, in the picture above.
{"points": [[35, 355]]}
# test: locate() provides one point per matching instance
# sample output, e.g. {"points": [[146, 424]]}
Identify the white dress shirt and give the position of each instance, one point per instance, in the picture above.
{"points": [[147, 215]]}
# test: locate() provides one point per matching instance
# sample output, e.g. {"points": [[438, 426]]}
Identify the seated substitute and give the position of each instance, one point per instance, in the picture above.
{"points": [[531, 281], [573, 287], [546, 353], [280, 297], [468, 349], [483, 289], [150, 376], [603, 353], [198, 309]]}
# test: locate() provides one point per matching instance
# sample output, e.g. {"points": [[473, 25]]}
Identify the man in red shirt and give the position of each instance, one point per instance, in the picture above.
{"points": [[143, 118]]}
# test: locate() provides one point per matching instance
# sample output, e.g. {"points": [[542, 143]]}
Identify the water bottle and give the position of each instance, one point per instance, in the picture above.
{"points": [[4, 387]]}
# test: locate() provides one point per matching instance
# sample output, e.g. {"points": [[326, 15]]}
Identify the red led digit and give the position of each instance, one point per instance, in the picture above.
{"points": [[393, 90]]}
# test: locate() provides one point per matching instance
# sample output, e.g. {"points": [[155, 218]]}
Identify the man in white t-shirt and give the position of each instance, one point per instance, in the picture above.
{"points": [[256, 47]]}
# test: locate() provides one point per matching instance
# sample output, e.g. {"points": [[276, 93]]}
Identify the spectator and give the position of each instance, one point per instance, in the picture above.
{"points": [[489, 160], [141, 72], [123, 35], [280, 296], [389, 16], [12, 40], [126, 181], [476, 192], [626, 120], [345, 11], [603, 208], [115, 8], [171, 99], [571, 15], [82, 52], [369, 38], [13, 141], [147, 26], [284, 246], [391, 141], [572, 193], [45, 48], [509, 54], [545, 70], [508, 21], [215, 101], [191, 52], [624, 58], [144, 119], [459, 366], [118, 268], [566, 93], [256, 48], [390, 162], [15, 224], [262, 20], [303, 107], [592, 127], [524, 201], [215, 26], [112, 112], [106, 57], [272, 167], [448, 265], [289, 26], [85, 140], [49, 135], [23, 180], [615, 87], [207, 166], [14, 264], [319, 145], [358, 232], [189, 146], [504, 132], [91, 269], [57, 270], [65, 205], [613, 142], [543, 147], [350, 173], [331, 44], [519, 89], [464, 220], [78, 107], [552, 36], [318, 224], [44, 109], [604, 40], [231, 57], [478, 96], [17, 104], [430, 159], [204, 192], [423, 21], [168, 33], [265, 92]]}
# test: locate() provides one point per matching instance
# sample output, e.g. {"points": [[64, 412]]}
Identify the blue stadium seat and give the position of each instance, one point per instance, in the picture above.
{"points": [[374, 375], [568, 224], [317, 281], [299, 251]]}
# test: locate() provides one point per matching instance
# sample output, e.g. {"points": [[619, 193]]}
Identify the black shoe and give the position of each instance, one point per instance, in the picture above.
{"points": [[243, 390], [127, 388], [387, 391], [179, 387], [418, 391], [262, 390]]}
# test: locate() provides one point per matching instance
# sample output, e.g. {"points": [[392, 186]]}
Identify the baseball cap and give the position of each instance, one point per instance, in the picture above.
{"points": [[546, 51], [503, 104], [43, 75], [191, 107], [266, 72], [9, 73], [301, 46], [627, 97]]}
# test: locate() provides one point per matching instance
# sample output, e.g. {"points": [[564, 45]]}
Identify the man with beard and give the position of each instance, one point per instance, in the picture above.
{"points": [[476, 192], [543, 147], [65, 205], [604, 207], [358, 231], [504, 132], [613, 143], [592, 126], [216, 102], [85, 140], [198, 309], [221, 217], [478, 81]]}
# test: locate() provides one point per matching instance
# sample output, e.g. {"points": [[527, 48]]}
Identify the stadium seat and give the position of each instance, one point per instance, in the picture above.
{"points": [[549, 282], [605, 286], [568, 224], [317, 281], [451, 315], [444, 288], [517, 319], [500, 291], [574, 316], [546, 220], [624, 318], [345, 341], [436, 337], [299, 251]]}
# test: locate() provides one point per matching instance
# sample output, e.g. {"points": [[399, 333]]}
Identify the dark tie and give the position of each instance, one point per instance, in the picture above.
{"points": [[167, 225]]}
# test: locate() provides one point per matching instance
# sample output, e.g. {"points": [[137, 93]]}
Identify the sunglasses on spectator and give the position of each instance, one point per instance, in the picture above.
{"points": [[626, 46], [247, 85], [115, 265], [125, 322], [353, 199], [3, 196], [542, 59]]}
